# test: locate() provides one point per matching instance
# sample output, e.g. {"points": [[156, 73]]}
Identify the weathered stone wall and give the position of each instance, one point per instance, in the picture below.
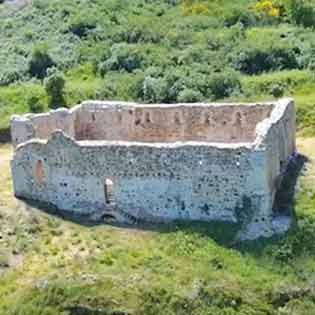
{"points": [[277, 137], [169, 123], [161, 181], [41, 126], [145, 123]]}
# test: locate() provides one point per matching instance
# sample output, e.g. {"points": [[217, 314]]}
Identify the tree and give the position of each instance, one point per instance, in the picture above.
{"points": [[54, 85], [40, 62]]}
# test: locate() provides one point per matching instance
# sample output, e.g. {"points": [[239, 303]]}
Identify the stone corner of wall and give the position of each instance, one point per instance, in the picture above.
{"points": [[279, 111]]}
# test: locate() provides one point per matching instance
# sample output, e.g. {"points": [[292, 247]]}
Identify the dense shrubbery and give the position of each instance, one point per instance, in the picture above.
{"points": [[9, 76], [81, 26], [40, 61], [303, 12], [123, 57], [35, 105], [253, 60], [54, 85], [157, 51]]}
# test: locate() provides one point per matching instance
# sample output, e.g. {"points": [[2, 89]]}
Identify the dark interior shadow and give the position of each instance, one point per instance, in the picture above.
{"points": [[284, 204], [284, 200], [222, 232]]}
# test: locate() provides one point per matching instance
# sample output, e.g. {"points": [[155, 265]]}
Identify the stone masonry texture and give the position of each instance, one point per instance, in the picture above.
{"points": [[158, 163]]}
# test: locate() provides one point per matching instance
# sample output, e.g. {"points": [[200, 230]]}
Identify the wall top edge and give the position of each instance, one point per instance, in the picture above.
{"points": [[60, 136], [263, 127], [92, 104]]}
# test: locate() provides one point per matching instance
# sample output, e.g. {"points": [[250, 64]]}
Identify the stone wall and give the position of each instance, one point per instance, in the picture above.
{"points": [[146, 123], [169, 123], [41, 126], [161, 181]]}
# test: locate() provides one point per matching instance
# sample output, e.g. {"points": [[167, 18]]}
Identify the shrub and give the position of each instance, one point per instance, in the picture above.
{"points": [[303, 13], [9, 76], [80, 26], [224, 84], [143, 33], [155, 90], [191, 7], [254, 60], [40, 61], [35, 105], [277, 90], [189, 96], [125, 86], [238, 16], [54, 86], [267, 8], [123, 57]]}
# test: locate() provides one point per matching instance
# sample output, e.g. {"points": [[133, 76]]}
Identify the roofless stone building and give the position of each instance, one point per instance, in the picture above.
{"points": [[158, 163]]}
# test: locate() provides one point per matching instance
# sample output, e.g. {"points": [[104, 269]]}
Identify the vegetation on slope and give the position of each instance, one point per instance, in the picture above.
{"points": [[157, 51]]}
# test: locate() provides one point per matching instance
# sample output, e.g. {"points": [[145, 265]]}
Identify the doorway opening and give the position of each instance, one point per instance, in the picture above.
{"points": [[109, 191]]}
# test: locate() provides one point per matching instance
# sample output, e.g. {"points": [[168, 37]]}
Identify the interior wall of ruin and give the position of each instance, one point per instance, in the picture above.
{"points": [[230, 123], [145, 123], [41, 126]]}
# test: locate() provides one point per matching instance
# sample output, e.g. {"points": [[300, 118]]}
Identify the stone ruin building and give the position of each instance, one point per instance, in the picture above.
{"points": [[157, 163]]}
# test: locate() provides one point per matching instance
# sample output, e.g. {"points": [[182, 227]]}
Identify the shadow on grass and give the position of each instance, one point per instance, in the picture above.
{"points": [[5, 134], [222, 232], [82, 310]]}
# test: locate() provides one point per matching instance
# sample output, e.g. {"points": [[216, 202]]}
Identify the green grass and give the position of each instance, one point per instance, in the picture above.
{"points": [[61, 267]]}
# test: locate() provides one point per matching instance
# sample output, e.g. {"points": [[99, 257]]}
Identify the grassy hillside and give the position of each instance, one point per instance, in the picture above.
{"points": [[157, 51]]}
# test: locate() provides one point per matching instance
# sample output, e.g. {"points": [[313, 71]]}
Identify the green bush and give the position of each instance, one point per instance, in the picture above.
{"points": [[240, 16], [123, 57], [277, 90], [253, 60], [189, 96], [9, 76], [81, 27], [35, 105], [303, 12], [224, 84], [54, 85], [155, 90], [40, 61]]}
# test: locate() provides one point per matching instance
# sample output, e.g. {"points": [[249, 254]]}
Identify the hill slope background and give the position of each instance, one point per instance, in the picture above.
{"points": [[155, 51]]}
